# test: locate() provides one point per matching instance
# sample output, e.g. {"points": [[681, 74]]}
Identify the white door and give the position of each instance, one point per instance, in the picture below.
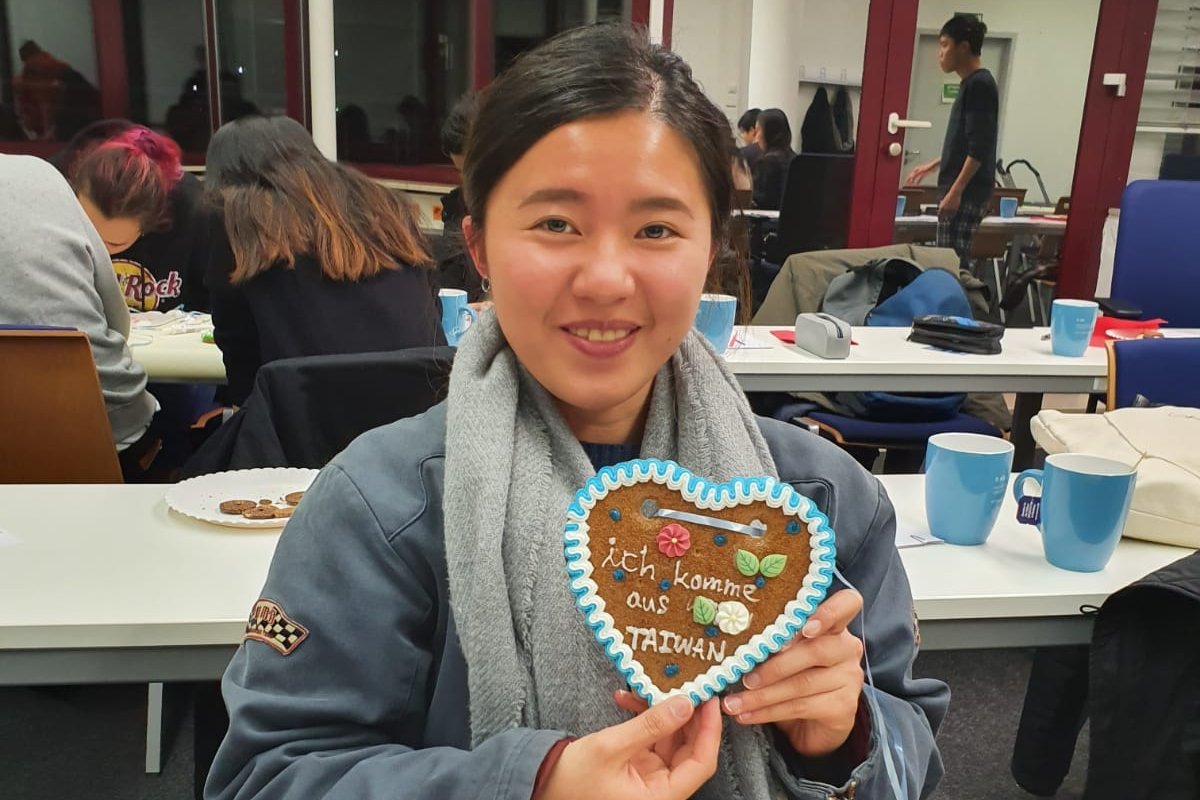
{"points": [[925, 100]]}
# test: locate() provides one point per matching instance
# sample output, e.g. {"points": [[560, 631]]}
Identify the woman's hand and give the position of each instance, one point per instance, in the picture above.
{"points": [[809, 689], [665, 753]]}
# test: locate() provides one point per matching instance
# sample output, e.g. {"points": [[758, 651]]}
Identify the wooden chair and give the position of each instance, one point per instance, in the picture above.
{"points": [[53, 426], [999, 193]]}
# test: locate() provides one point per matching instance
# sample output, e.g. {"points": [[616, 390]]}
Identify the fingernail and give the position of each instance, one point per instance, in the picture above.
{"points": [[745, 719], [733, 705], [681, 707], [811, 629], [751, 681]]}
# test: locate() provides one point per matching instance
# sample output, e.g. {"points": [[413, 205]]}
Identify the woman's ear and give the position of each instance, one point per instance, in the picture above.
{"points": [[473, 236]]}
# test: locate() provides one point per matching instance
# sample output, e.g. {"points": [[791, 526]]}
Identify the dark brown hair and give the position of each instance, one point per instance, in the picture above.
{"points": [[282, 198], [595, 71]]}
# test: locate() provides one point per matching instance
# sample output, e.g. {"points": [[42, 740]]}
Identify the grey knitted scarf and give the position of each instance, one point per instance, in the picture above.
{"points": [[512, 468]]}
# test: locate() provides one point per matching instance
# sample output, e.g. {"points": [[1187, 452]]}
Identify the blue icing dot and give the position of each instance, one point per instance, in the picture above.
{"points": [[615, 515], [618, 574], [664, 585], [760, 581], [671, 670], [711, 630], [793, 527], [719, 540]]}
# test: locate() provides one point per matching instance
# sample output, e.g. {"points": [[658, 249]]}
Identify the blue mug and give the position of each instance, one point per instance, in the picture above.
{"points": [[901, 202], [1071, 324], [1082, 509], [966, 476], [457, 316], [1008, 207], [715, 319]]}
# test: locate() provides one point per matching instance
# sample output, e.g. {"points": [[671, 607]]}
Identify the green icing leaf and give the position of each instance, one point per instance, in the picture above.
{"points": [[747, 563], [704, 611], [772, 565]]}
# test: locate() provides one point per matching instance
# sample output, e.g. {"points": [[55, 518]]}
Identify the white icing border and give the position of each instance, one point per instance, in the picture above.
{"points": [[711, 497]]}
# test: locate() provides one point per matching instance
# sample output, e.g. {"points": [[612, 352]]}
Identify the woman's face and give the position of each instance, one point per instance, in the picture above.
{"points": [[597, 244], [118, 233]]}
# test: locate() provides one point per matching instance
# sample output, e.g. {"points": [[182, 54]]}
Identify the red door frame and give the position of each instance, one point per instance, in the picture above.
{"points": [[1122, 44], [1106, 137], [108, 26], [887, 67]]}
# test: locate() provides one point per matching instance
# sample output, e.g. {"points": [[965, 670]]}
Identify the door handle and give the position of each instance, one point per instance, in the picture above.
{"points": [[894, 123]]}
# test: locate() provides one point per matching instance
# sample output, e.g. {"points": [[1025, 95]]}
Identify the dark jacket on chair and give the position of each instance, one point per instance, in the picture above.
{"points": [[287, 312], [1145, 689], [304, 411]]}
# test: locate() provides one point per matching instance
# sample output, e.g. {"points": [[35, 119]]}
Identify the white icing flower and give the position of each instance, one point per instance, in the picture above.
{"points": [[732, 617]]}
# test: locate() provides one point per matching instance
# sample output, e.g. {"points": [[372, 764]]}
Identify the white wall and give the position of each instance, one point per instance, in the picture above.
{"points": [[713, 36], [63, 29], [1047, 79]]}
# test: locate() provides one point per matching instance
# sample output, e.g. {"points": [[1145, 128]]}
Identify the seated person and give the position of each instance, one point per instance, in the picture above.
{"points": [[55, 271], [455, 269], [774, 136], [417, 637], [146, 209], [747, 129], [314, 257]]}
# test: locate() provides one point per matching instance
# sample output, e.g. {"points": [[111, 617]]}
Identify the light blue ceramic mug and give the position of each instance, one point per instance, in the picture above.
{"points": [[457, 316], [715, 319], [1082, 509], [1071, 324], [1008, 207], [966, 476]]}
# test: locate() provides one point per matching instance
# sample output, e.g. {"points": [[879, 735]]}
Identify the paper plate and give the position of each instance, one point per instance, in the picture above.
{"points": [[201, 497]]}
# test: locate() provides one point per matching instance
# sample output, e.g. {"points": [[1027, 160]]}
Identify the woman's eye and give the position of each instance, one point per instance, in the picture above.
{"points": [[656, 232], [556, 226]]}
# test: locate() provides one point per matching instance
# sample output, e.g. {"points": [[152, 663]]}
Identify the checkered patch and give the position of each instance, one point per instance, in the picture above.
{"points": [[268, 624]]}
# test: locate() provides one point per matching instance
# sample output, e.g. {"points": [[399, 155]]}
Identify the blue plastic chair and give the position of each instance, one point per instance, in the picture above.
{"points": [[1164, 371], [863, 439], [1156, 267]]}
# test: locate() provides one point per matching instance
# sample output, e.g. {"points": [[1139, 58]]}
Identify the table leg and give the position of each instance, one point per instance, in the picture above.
{"points": [[154, 728], [1026, 407]]}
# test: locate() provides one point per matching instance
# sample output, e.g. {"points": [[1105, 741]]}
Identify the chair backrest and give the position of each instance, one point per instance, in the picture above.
{"points": [[304, 411], [1164, 371], [1001, 192], [815, 213], [917, 196], [53, 426], [1157, 262]]}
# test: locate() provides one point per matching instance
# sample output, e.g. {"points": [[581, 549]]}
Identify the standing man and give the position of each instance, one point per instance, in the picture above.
{"points": [[968, 160]]}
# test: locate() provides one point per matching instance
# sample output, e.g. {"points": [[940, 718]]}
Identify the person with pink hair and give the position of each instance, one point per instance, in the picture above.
{"points": [[146, 209]]}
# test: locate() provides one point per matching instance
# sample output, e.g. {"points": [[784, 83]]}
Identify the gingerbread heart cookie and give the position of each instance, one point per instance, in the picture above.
{"points": [[690, 584]]}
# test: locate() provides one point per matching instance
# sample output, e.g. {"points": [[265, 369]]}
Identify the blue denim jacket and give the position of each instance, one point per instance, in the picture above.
{"points": [[370, 699]]}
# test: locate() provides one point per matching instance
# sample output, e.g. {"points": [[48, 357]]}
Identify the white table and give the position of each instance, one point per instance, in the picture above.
{"points": [[1018, 226], [105, 584], [177, 358]]}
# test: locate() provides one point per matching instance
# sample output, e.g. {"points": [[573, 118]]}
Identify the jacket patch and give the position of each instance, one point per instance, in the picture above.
{"points": [[268, 624]]}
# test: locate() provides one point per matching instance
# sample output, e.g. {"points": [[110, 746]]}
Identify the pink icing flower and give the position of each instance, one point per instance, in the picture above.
{"points": [[674, 540]]}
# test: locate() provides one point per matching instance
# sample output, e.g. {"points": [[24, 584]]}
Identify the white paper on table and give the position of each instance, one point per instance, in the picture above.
{"points": [[744, 338], [909, 534], [171, 322]]}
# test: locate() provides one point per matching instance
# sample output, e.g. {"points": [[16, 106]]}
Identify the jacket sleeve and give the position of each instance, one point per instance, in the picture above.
{"points": [[341, 715], [980, 112], [909, 710]]}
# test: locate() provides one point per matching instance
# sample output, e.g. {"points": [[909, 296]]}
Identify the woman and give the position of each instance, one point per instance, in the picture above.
{"points": [[319, 258], [146, 209], [774, 136], [428, 642]]}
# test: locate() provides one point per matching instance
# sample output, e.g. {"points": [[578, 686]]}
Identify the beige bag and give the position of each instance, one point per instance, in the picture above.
{"points": [[1163, 444]]}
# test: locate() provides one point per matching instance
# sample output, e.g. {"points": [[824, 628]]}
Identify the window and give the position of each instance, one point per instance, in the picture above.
{"points": [[1167, 144], [49, 76], [401, 65], [518, 25]]}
